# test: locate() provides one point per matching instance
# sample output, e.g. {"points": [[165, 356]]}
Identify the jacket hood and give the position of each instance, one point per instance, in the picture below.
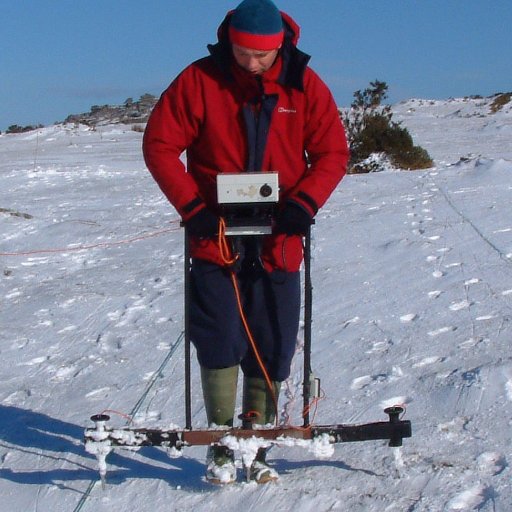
{"points": [[294, 60]]}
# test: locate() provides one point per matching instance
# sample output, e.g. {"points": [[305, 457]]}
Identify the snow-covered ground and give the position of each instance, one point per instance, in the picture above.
{"points": [[412, 275]]}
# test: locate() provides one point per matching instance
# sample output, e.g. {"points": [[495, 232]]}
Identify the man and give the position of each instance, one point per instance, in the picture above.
{"points": [[252, 105]]}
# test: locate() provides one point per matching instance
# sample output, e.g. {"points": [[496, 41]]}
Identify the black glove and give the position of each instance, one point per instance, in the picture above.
{"points": [[204, 224], [292, 220]]}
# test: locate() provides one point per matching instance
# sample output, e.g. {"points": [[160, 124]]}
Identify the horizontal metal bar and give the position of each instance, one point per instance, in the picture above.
{"points": [[394, 431]]}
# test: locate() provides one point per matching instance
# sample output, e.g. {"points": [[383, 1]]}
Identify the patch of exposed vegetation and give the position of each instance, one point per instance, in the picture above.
{"points": [[500, 101], [14, 128]]}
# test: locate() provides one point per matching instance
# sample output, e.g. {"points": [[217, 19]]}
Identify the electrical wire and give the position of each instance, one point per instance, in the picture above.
{"points": [[91, 246], [129, 417], [229, 260]]}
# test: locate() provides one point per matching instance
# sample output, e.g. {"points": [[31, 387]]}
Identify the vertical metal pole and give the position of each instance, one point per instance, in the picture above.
{"points": [[188, 386], [308, 313]]}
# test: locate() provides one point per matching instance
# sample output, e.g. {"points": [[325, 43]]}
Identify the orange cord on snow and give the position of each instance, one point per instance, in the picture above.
{"points": [[99, 245], [312, 406], [229, 259], [128, 418]]}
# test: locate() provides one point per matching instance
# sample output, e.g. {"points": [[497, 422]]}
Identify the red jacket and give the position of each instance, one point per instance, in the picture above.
{"points": [[204, 112]]}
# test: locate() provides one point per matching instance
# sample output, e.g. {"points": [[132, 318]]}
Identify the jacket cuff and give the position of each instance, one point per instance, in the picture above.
{"points": [[191, 208], [306, 202]]}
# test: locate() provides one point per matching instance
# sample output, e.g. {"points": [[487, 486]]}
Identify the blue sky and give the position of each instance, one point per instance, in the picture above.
{"points": [[59, 57]]}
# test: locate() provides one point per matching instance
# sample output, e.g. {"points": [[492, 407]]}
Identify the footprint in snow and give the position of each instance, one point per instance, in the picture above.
{"points": [[379, 346], [66, 329], [484, 317], [364, 381], [351, 321], [442, 330], [470, 499], [508, 389], [457, 306], [361, 382], [65, 373], [454, 427], [115, 315], [131, 314], [108, 342], [97, 394], [491, 463], [470, 343], [35, 361], [428, 361], [397, 400], [14, 294], [148, 416]]}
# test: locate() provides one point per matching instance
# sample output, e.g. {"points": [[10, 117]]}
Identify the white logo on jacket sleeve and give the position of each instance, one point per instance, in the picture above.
{"points": [[283, 110]]}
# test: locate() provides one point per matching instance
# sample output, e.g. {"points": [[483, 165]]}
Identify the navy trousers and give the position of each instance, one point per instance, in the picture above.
{"points": [[271, 303]]}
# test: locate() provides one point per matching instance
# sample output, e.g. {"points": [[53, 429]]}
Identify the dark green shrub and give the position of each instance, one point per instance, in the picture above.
{"points": [[371, 130], [14, 128]]}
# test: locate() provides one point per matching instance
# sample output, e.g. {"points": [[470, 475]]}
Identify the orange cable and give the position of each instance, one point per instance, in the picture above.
{"points": [[91, 246], [225, 250], [261, 364], [229, 259], [122, 414]]}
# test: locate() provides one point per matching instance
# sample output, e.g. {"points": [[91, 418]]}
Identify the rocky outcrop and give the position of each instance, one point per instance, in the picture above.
{"points": [[130, 112]]}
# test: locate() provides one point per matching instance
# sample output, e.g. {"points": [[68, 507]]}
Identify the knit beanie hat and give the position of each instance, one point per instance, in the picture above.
{"points": [[256, 24]]}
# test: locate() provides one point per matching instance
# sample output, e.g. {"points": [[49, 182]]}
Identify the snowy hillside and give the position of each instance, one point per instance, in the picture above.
{"points": [[412, 275]]}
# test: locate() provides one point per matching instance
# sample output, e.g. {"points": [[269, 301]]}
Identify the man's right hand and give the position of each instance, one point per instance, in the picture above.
{"points": [[204, 224]]}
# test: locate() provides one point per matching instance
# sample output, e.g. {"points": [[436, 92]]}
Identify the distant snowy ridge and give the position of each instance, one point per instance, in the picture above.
{"points": [[138, 111]]}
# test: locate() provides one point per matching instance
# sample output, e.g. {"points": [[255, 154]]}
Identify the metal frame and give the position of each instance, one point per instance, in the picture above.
{"points": [[308, 320], [394, 430], [188, 381], [102, 439], [308, 317]]}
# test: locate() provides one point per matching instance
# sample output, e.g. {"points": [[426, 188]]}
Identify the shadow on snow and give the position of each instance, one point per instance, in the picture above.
{"points": [[60, 444]]}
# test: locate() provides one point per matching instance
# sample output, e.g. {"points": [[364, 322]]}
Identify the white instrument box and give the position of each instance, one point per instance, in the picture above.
{"points": [[247, 188]]}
